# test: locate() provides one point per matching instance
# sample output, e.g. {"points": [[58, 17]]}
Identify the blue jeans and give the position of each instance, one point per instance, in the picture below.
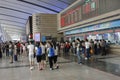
{"points": [[74, 51], [79, 57], [88, 53]]}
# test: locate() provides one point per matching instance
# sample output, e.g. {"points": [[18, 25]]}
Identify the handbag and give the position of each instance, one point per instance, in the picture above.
{"points": [[91, 51]]}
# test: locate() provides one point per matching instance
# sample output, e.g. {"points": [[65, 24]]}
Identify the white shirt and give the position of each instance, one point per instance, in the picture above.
{"points": [[10, 47], [23, 47], [15, 49], [56, 51], [48, 51], [31, 49], [87, 45], [43, 49], [36, 49], [78, 46], [73, 44]]}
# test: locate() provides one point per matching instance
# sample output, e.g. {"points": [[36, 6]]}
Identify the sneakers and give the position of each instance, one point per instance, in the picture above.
{"points": [[86, 58], [57, 67], [31, 68], [80, 63], [11, 62], [41, 69], [51, 69], [74, 54]]}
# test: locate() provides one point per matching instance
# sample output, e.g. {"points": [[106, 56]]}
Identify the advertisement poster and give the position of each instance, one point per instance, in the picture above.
{"points": [[37, 37]]}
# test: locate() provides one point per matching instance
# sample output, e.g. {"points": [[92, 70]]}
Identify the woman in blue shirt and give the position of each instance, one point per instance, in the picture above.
{"points": [[51, 54], [39, 56]]}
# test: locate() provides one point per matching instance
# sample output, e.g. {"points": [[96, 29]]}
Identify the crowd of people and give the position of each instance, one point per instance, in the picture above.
{"points": [[86, 48], [49, 51], [41, 51], [12, 50]]}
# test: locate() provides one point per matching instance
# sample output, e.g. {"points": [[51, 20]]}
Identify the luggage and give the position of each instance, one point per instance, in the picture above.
{"points": [[15, 58], [0, 54]]}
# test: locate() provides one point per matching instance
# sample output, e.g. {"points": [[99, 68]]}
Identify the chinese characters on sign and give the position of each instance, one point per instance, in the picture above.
{"points": [[81, 12]]}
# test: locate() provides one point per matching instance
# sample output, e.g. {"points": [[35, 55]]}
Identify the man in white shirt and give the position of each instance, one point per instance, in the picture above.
{"points": [[78, 51], [73, 47], [31, 55], [87, 46]]}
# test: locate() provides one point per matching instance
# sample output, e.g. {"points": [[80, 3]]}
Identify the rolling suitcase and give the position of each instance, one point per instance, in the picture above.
{"points": [[15, 58]]}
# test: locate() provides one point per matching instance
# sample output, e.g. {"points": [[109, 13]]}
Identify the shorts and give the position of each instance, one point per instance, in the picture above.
{"points": [[11, 53], [43, 57], [31, 57], [39, 58]]}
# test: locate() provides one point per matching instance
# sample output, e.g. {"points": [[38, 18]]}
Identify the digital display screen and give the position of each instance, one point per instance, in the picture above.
{"points": [[81, 12]]}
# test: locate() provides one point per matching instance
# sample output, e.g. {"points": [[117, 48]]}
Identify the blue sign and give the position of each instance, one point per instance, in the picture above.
{"points": [[43, 38], [101, 26], [115, 24]]}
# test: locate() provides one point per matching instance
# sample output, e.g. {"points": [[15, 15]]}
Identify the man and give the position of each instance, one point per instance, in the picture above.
{"points": [[31, 55], [78, 51], [11, 49]]}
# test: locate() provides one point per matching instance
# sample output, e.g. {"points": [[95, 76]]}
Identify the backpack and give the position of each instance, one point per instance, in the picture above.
{"points": [[39, 51], [51, 52]]}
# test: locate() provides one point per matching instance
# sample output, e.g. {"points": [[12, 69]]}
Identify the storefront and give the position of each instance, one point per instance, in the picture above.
{"points": [[108, 31]]}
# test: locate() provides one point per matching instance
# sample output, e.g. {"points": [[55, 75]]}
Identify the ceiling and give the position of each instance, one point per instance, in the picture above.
{"points": [[14, 13]]}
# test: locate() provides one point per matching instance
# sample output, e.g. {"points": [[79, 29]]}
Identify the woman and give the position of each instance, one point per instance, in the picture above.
{"points": [[87, 47], [39, 56], [51, 53], [24, 49], [11, 48], [43, 55], [0, 52], [15, 52], [56, 47], [74, 47]]}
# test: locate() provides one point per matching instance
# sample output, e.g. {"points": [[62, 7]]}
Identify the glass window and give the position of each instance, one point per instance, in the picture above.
{"points": [[93, 6], [71, 17], [80, 16], [76, 16]]}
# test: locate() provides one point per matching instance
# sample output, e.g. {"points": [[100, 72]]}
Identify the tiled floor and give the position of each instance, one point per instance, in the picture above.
{"points": [[109, 63], [115, 60], [69, 70]]}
